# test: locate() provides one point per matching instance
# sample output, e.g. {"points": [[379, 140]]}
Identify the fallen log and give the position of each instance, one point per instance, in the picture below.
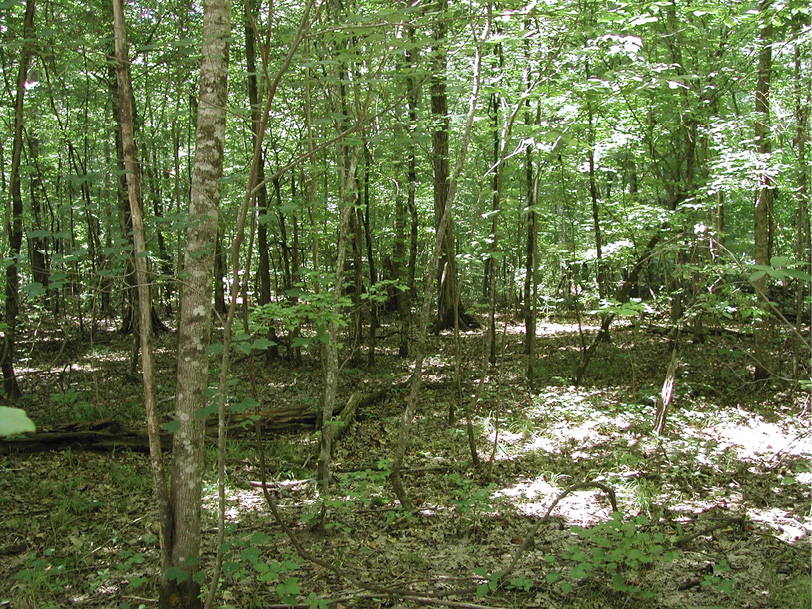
{"points": [[98, 435], [110, 435]]}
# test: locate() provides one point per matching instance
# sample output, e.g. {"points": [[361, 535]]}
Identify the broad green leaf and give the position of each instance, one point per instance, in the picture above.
{"points": [[177, 574], [172, 426], [34, 289]]}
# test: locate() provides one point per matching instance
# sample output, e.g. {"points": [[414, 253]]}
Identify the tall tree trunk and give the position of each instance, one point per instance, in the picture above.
{"points": [[397, 263], [124, 218], [219, 274], [38, 246], [803, 245], [370, 250], [166, 286], [14, 225], [490, 263], [593, 197], [356, 226], [406, 264], [762, 215], [264, 264], [194, 325], [450, 312], [284, 247], [531, 264], [132, 167], [347, 164], [434, 261], [531, 247]]}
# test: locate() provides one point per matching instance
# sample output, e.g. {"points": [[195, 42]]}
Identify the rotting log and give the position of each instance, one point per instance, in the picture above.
{"points": [[110, 435], [98, 435]]}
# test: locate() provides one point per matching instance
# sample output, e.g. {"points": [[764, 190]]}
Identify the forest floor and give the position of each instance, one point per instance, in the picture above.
{"points": [[713, 513]]}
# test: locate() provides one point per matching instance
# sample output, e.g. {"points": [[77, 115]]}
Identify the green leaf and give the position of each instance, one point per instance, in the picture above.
{"points": [[250, 554], [260, 537], [34, 289], [207, 411], [244, 405], [242, 347], [315, 602], [172, 426], [214, 349], [796, 274], [263, 343], [177, 574], [14, 421], [230, 568]]}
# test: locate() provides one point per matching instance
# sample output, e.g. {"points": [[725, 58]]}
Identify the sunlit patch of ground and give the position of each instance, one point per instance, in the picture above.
{"points": [[587, 427]]}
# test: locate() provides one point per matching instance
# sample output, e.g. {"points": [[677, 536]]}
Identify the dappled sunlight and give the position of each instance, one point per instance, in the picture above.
{"points": [[785, 525], [754, 438], [533, 498], [690, 470], [550, 328], [543, 328], [730, 481], [239, 502]]}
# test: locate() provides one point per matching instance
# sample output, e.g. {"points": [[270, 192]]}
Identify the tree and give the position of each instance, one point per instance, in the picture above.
{"points": [[133, 179], [181, 585], [765, 195], [14, 223], [450, 313]]}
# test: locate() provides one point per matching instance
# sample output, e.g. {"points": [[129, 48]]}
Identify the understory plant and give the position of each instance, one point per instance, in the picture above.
{"points": [[617, 551]]}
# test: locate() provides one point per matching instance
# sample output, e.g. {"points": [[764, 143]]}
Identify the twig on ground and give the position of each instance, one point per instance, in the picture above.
{"points": [[734, 520]]}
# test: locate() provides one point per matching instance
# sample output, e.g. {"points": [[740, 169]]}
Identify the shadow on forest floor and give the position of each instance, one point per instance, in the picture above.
{"points": [[714, 513]]}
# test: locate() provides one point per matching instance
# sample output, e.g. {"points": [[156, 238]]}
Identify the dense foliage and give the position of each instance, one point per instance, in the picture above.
{"points": [[400, 169]]}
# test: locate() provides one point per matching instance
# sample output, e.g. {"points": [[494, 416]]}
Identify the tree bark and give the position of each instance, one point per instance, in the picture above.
{"points": [[450, 312], [181, 588], [593, 197], [14, 223], [803, 245], [264, 266], [531, 264], [347, 165], [762, 214], [132, 167], [370, 250], [415, 382], [38, 246]]}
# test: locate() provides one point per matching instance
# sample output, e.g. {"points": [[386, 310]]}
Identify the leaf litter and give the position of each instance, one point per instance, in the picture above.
{"points": [[715, 513]]}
